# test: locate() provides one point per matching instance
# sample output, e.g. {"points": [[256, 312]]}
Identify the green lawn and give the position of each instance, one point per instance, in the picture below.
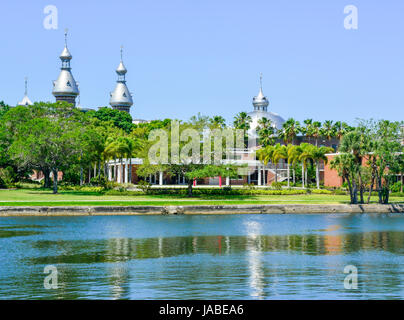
{"points": [[36, 197]]}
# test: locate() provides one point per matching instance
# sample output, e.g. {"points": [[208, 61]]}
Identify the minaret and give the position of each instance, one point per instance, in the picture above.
{"points": [[65, 87], [25, 101], [121, 98], [260, 102]]}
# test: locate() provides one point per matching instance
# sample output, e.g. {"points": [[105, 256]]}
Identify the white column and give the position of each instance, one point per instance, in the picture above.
{"points": [[259, 175], [119, 174], [227, 181], [161, 178], [109, 172], [126, 171]]}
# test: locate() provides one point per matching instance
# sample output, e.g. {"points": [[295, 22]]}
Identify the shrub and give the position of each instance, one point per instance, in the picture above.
{"points": [[7, 176], [321, 191], [249, 186], [144, 186], [397, 194], [396, 187], [276, 185]]}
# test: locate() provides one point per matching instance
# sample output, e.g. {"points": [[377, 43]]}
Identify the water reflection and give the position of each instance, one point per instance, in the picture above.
{"points": [[266, 257], [124, 249]]}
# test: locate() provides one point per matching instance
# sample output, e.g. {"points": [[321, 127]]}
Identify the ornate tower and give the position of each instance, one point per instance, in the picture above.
{"points": [[65, 87], [25, 101], [260, 102], [121, 98]]}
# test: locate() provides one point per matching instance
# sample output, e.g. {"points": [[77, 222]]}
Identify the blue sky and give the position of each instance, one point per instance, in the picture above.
{"points": [[190, 56]]}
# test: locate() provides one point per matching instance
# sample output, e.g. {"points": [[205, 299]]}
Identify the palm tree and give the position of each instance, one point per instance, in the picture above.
{"points": [[316, 130], [341, 128], [217, 122], [266, 154], [266, 132], [319, 154], [294, 153], [304, 157], [308, 129], [285, 152], [328, 130], [273, 154], [291, 129], [242, 121]]}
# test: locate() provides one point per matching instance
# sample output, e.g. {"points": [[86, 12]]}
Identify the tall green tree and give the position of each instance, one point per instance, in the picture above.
{"points": [[291, 129]]}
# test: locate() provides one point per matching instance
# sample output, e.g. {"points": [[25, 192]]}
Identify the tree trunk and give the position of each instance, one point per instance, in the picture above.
{"points": [[371, 189], [294, 176], [361, 188], [288, 175], [349, 188], [354, 192], [402, 182], [318, 174], [379, 189], [190, 182], [46, 173], [81, 176], [276, 173], [55, 180], [302, 175]]}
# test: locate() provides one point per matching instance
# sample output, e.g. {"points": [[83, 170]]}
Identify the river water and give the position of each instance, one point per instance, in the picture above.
{"points": [[203, 257]]}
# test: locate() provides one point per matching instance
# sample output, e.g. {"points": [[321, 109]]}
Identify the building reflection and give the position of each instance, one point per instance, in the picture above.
{"points": [[259, 273], [254, 258]]}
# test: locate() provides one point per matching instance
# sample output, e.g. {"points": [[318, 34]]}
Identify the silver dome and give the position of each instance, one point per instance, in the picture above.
{"points": [[65, 87], [256, 115], [121, 69], [121, 96], [65, 55], [65, 84], [260, 103]]}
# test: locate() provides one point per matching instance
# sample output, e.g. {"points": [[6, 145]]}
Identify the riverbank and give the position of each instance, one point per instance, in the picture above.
{"points": [[198, 209]]}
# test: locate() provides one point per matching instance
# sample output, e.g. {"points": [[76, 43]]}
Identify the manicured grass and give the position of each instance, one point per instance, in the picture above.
{"points": [[38, 197]]}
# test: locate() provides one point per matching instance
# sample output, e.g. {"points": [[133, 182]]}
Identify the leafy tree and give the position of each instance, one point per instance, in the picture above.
{"points": [[3, 108], [217, 122], [120, 119], [347, 168], [266, 132], [53, 141]]}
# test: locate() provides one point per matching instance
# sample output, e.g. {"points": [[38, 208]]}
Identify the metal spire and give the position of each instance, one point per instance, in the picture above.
{"points": [[66, 30], [26, 86], [261, 80], [121, 51]]}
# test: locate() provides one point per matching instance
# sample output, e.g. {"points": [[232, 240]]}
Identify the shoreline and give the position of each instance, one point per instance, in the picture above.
{"points": [[199, 209]]}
